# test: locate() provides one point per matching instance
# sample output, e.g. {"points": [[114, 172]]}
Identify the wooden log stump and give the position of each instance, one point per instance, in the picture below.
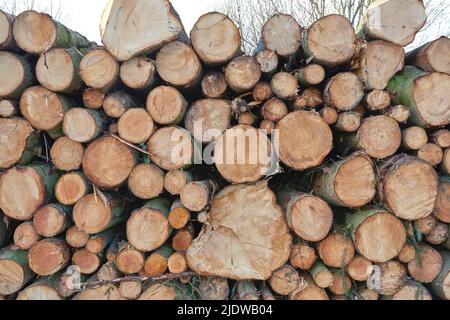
{"points": [[117, 103], [15, 271], [88, 262], [262, 91], [411, 291], [311, 75], [433, 56], [442, 208], [284, 280], [99, 70], [282, 34], [427, 266], [93, 98], [336, 251], [17, 75], [359, 269], [166, 105], [49, 256], [129, 260], [268, 61], [284, 85], [146, 181], [441, 138], [321, 275], [344, 91], [8, 108], [174, 181], [303, 256], [156, 263], [214, 85], [441, 284], [42, 289], [83, 125], [242, 74], [348, 121], [274, 110], [6, 37], [76, 238], [25, 236], [414, 138], [71, 187], [196, 195], [377, 100], [399, 113], [139, 73], [52, 220]]}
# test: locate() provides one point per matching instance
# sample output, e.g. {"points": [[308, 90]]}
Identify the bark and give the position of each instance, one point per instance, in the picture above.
{"points": [[166, 105], [245, 291], [17, 75], [99, 70], [213, 288], [66, 154]]}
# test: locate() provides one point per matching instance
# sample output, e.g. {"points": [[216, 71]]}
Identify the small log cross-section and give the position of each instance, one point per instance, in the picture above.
{"points": [[226, 248], [282, 34], [99, 70]]}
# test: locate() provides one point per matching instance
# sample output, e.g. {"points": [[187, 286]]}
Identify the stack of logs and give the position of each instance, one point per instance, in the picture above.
{"points": [[97, 148]]}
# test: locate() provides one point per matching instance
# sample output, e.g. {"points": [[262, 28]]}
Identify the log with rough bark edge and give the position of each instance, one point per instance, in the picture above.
{"points": [[8, 108], [302, 256], [99, 293], [215, 38], [433, 56], [99, 70], [166, 105], [41, 289], [414, 138], [308, 216], [344, 91], [63, 283], [17, 75], [430, 153], [442, 208], [336, 251], [427, 265], [52, 220], [76, 238], [439, 234], [441, 138], [138, 73], [426, 95], [178, 65], [130, 290], [425, 225], [247, 118], [196, 195], [407, 254], [226, 248], [99, 242], [88, 262], [310, 98], [207, 119], [179, 216], [321, 275], [15, 271], [284, 85], [83, 125], [445, 166], [243, 154], [174, 181], [71, 187], [359, 269], [408, 187], [6, 38], [117, 103], [242, 74], [412, 290], [24, 190], [330, 41], [214, 85], [282, 34], [19, 142], [177, 263], [171, 148], [108, 272], [124, 26], [95, 213], [274, 110], [25, 236], [214, 288], [378, 62], [284, 280], [441, 285], [311, 75], [268, 61], [305, 140], [399, 113], [329, 115], [392, 277], [394, 21], [262, 91], [377, 100], [342, 283], [67, 154], [148, 227], [379, 136], [350, 182], [183, 238], [267, 126], [146, 181], [52, 34], [44, 109], [93, 98], [129, 260], [108, 162], [348, 121], [48, 256], [156, 263], [58, 70], [377, 234], [167, 290]]}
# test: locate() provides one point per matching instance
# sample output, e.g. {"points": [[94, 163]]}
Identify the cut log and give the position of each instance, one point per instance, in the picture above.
{"points": [[309, 291], [329, 115], [129, 260], [179, 216], [100, 293], [412, 291], [377, 100], [67, 154], [407, 254], [427, 265], [42, 289], [378, 235], [130, 290], [17, 75], [347, 183], [6, 230], [243, 154], [226, 248], [25, 236], [321, 275], [408, 187], [178, 65], [442, 208], [214, 288], [336, 251], [86, 261], [441, 285], [330, 41], [284, 280], [282, 34], [342, 284], [177, 263], [445, 166], [311, 75], [344, 91], [108, 162], [148, 227], [168, 290], [93, 98], [359, 269], [425, 225], [379, 136], [245, 291], [95, 213], [124, 27], [49, 256], [267, 127], [392, 278], [99, 242], [303, 256], [117, 103], [441, 138], [99, 70], [439, 234], [398, 113], [24, 190], [52, 34], [274, 110], [348, 121], [305, 140], [262, 91], [268, 61], [207, 119], [59, 70], [433, 56], [146, 181], [215, 38], [71, 187], [83, 125], [367, 294], [378, 62], [284, 85], [76, 238], [196, 195], [242, 74], [174, 181], [15, 271], [424, 94], [308, 216], [6, 37], [166, 105], [247, 118], [394, 21], [430, 153], [19, 142], [52, 220], [156, 263], [183, 238], [171, 148], [214, 85], [8, 108], [138, 73], [414, 138], [310, 98], [108, 272]]}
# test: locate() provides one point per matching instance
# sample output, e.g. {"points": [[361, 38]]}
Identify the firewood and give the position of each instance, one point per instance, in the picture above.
{"points": [[83, 125], [341, 284], [8, 108], [321, 275], [412, 290], [86, 261], [49, 256], [282, 34], [336, 251], [430, 153], [274, 110], [117, 103], [242, 74], [433, 56], [166, 105], [41, 289], [377, 100], [268, 61], [262, 91], [311, 75], [398, 113], [183, 238], [359, 269], [146, 181], [348, 121], [52, 220], [25, 235], [71, 187], [98, 243], [76, 238], [17, 75], [177, 263], [344, 91], [99, 70], [93, 98], [284, 280], [414, 138], [130, 290], [214, 85], [303, 256], [427, 266], [138, 73], [284, 85], [174, 181], [440, 285], [67, 154], [6, 36]]}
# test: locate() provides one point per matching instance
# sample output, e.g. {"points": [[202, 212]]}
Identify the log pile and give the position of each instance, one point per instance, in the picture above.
{"points": [[162, 166]]}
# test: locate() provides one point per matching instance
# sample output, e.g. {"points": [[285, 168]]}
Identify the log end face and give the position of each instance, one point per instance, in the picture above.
{"points": [[11, 277], [282, 34], [92, 214], [380, 136]]}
